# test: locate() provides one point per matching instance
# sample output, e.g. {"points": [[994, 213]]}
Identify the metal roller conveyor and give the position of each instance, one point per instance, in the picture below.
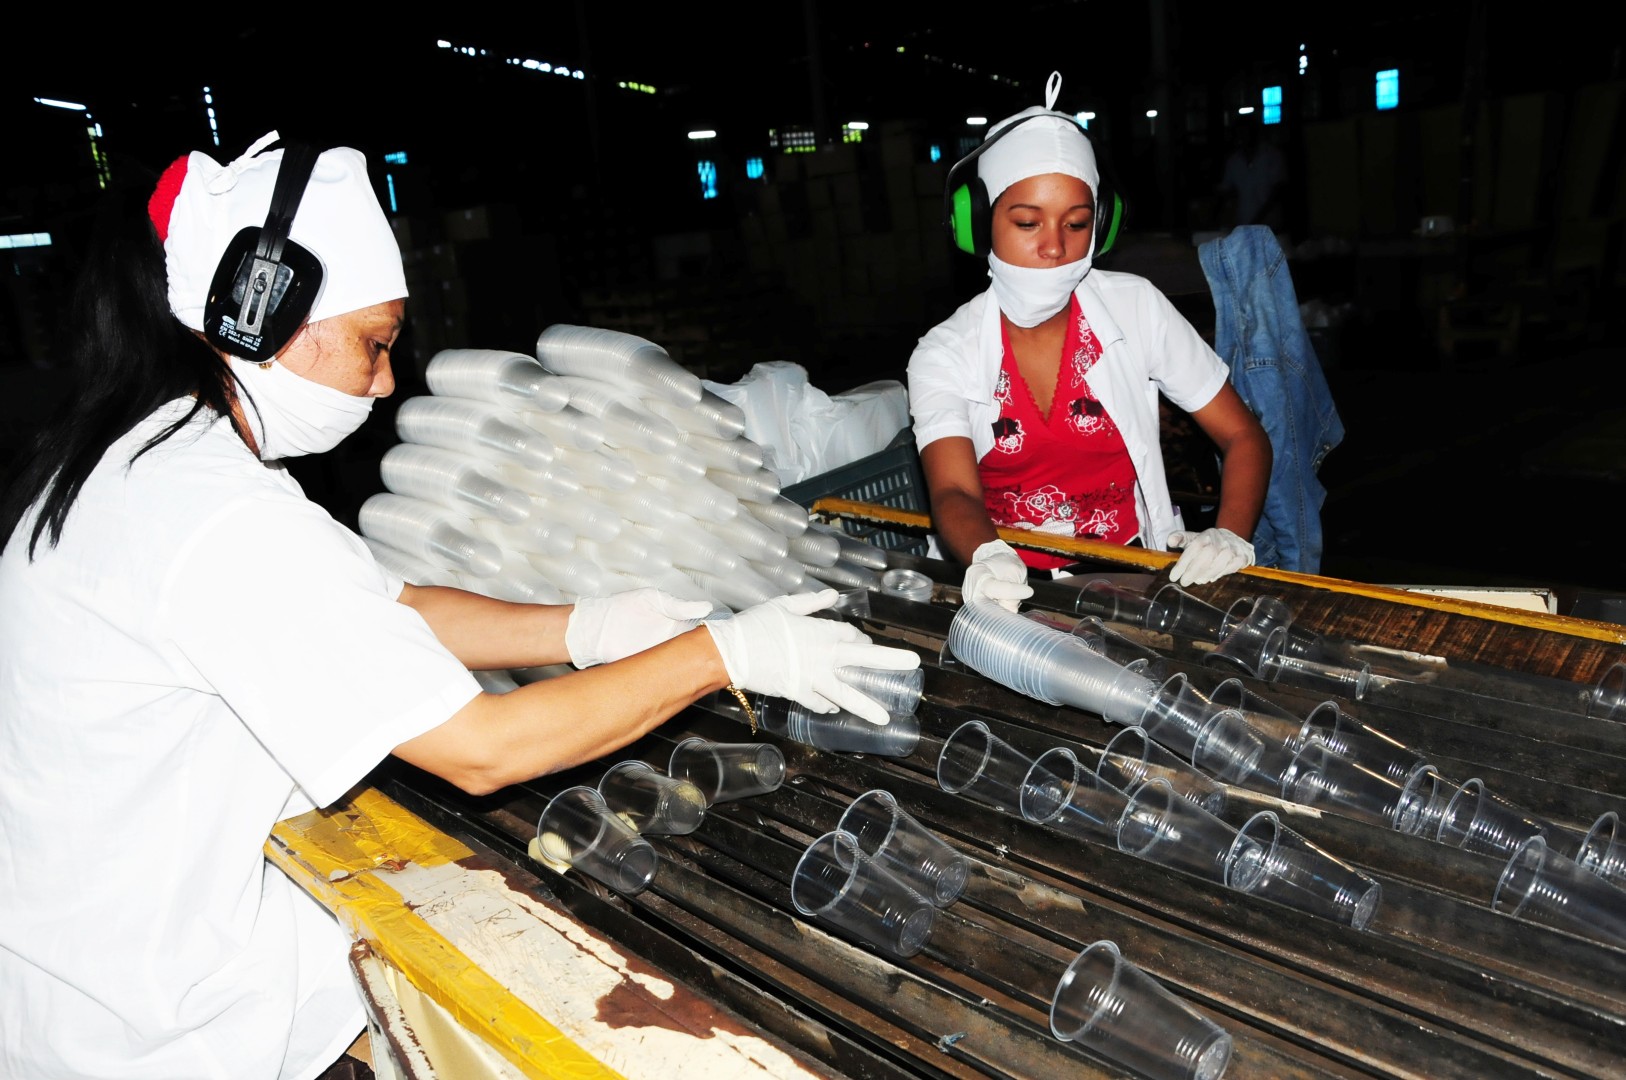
{"points": [[1437, 984]]}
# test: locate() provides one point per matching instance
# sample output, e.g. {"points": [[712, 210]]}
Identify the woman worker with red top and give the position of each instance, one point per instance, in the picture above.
{"points": [[1035, 405]]}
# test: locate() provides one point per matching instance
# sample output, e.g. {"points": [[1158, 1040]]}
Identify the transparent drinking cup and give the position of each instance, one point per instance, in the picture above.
{"points": [[1161, 827], [836, 882], [652, 802], [579, 831], [727, 771], [893, 837], [1274, 862], [980, 765], [1061, 792], [1539, 885], [1132, 757]]}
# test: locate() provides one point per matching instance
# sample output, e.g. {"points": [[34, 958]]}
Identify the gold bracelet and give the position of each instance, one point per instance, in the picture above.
{"points": [[750, 713]]}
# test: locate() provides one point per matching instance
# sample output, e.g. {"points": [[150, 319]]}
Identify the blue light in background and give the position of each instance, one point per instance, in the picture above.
{"points": [[753, 168], [708, 179], [1271, 98], [937, 152], [1388, 83]]}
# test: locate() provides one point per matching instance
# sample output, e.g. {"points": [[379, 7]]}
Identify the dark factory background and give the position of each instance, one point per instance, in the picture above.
{"points": [[549, 166]]}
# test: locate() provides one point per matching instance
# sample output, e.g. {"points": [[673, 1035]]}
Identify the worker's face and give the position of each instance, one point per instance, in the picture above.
{"points": [[349, 352], [1044, 221]]}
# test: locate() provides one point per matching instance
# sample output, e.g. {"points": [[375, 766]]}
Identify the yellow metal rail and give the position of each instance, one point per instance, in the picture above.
{"points": [[1156, 561]]}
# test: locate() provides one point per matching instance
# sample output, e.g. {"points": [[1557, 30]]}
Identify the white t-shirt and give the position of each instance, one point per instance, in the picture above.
{"points": [[204, 653], [1146, 347]]}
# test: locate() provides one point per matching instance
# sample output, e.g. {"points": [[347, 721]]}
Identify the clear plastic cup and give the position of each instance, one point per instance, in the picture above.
{"points": [[1132, 757], [675, 465], [1108, 1005], [566, 428], [537, 535], [1217, 741], [571, 573], [748, 536], [1423, 799], [712, 415], [1060, 792], [837, 883], [727, 771], [1274, 862], [1161, 827], [1330, 725], [577, 830], [1603, 852], [1264, 715], [898, 692], [1541, 886], [650, 801], [502, 378], [452, 479], [703, 500], [544, 483], [730, 455], [1111, 644], [846, 575], [738, 590], [890, 835], [516, 581], [980, 765], [839, 732], [1278, 664], [1114, 603], [597, 469], [1321, 777], [786, 574], [624, 419], [1479, 821], [1608, 698], [1179, 612], [907, 584]]}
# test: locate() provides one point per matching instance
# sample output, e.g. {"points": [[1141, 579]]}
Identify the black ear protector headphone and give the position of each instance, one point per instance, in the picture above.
{"points": [[266, 285], [968, 211]]}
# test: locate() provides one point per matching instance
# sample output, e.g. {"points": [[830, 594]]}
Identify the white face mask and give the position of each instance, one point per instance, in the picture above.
{"points": [[290, 415], [1028, 296]]}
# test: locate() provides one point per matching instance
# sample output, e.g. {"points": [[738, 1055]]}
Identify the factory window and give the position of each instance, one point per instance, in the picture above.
{"points": [[708, 179], [1271, 99], [753, 168], [26, 240], [1388, 85], [792, 140]]}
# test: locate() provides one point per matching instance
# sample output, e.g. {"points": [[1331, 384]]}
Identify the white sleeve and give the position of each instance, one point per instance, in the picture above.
{"points": [[938, 409], [285, 613], [1187, 371]]}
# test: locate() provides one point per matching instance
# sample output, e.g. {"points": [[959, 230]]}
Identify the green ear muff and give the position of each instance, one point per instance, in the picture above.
{"points": [[1104, 239], [960, 220]]}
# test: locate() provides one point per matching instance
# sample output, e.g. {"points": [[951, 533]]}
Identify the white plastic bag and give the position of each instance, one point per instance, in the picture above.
{"points": [[805, 430]]}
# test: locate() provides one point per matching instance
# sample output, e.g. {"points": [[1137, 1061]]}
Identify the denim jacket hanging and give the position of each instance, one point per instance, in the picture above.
{"points": [[1259, 335]]}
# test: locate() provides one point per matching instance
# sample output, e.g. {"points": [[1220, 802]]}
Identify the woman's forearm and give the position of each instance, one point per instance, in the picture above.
{"points": [[1244, 479], [486, 634]]}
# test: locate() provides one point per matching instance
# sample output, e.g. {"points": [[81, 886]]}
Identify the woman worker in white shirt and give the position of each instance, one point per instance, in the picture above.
{"points": [[1035, 405], [190, 650]]}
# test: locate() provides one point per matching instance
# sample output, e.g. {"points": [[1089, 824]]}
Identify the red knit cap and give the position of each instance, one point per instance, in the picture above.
{"points": [[162, 203]]}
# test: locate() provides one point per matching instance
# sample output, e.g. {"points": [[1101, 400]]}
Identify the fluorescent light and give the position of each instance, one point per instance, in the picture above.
{"points": [[858, 125], [1151, 114], [705, 133], [55, 104], [976, 121], [1246, 110]]}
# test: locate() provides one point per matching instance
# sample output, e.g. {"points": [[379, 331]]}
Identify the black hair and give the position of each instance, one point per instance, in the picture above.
{"points": [[127, 355]]}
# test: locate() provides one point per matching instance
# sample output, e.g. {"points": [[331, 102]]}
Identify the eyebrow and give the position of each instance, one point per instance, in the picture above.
{"points": [[1034, 206]]}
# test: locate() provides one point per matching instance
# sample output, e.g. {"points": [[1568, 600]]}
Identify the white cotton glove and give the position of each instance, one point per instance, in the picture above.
{"points": [[1209, 555], [605, 628], [998, 575], [776, 648]]}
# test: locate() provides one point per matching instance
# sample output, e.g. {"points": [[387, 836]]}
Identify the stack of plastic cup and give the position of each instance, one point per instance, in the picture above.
{"points": [[907, 584], [1060, 792], [711, 415], [891, 836], [1276, 863], [814, 548], [852, 549], [1111, 644], [837, 883], [1217, 741], [412, 570], [1116, 1010], [578, 831], [502, 378], [898, 692], [451, 479], [472, 427], [428, 532], [626, 359], [1046, 664]]}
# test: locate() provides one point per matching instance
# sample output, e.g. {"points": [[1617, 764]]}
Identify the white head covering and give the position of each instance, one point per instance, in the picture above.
{"points": [[1052, 144], [338, 219]]}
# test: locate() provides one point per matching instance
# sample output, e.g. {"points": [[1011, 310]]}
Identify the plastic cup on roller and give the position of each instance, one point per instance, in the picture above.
{"points": [[1132, 757], [1061, 792], [577, 830], [1161, 827], [1108, 1005], [1603, 852], [1272, 861], [980, 765], [893, 837], [836, 882], [727, 771], [650, 801], [1541, 886]]}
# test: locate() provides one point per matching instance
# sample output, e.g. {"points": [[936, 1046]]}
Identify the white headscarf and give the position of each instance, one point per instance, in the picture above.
{"points": [[1051, 143], [200, 205]]}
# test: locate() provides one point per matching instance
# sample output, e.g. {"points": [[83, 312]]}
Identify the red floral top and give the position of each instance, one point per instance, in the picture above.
{"points": [[1068, 473]]}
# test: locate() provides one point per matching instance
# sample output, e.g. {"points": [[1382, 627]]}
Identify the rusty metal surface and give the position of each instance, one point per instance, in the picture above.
{"points": [[1437, 986]]}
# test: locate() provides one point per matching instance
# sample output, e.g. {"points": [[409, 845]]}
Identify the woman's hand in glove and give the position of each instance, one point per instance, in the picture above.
{"points": [[1209, 555], [605, 628], [997, 575], [777, 648]]}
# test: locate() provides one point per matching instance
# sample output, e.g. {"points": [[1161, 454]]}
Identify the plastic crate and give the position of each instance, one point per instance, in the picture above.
{"points": [[889, 477]]}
